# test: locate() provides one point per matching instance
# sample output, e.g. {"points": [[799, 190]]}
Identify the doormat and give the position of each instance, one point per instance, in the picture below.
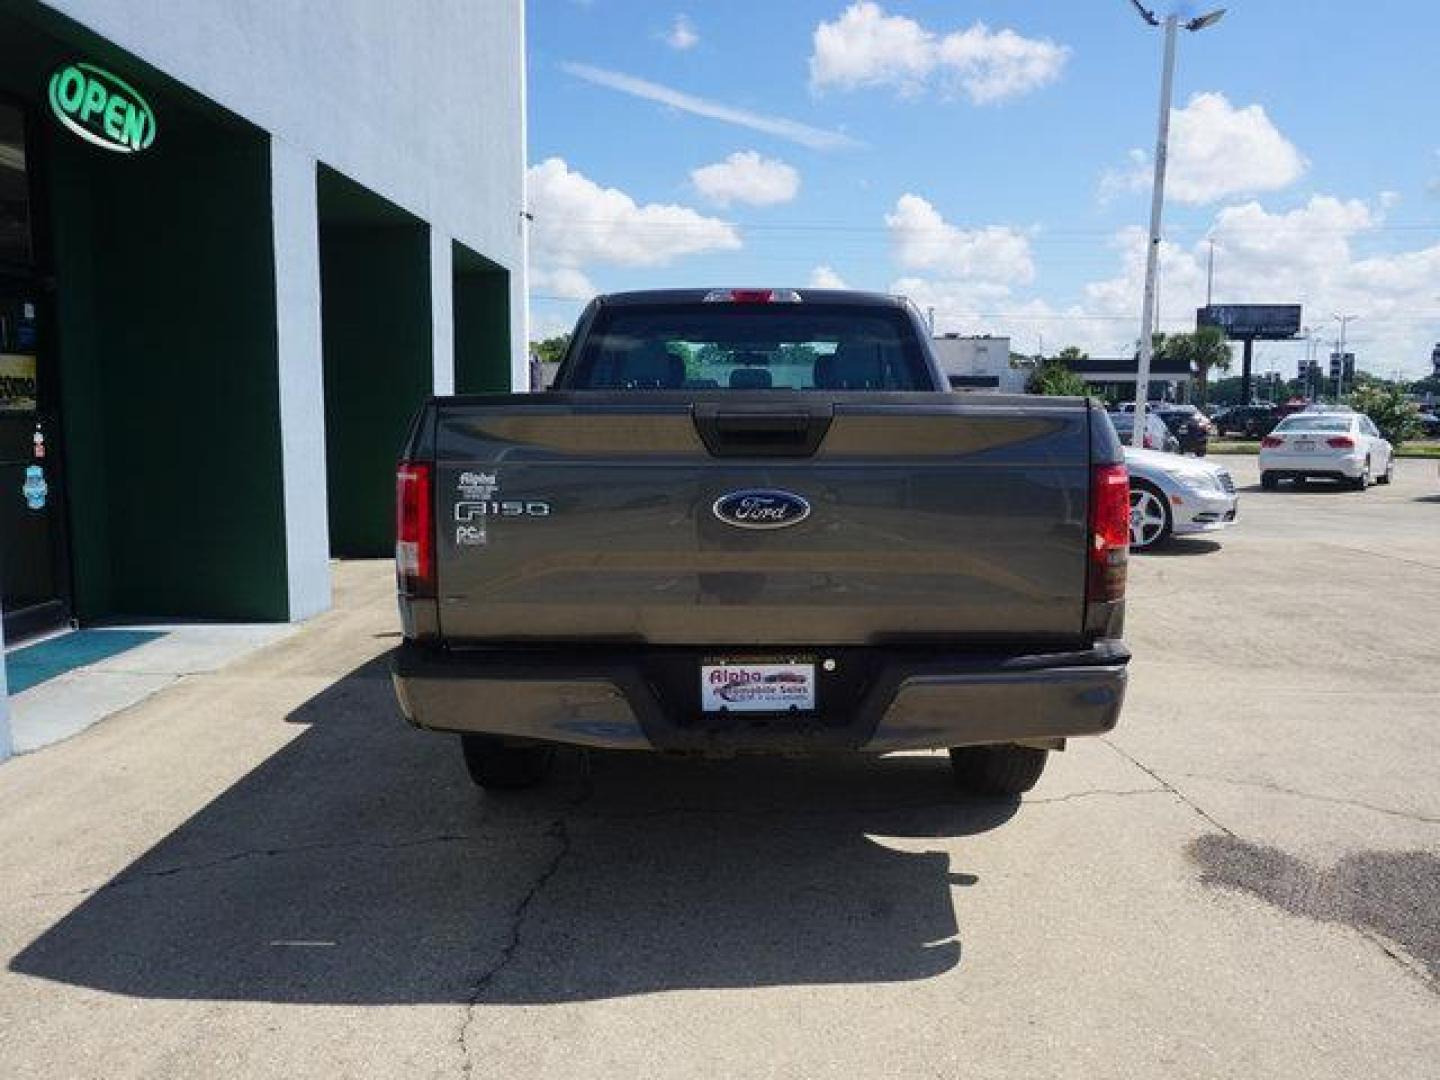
{"points": [[34, 664]]}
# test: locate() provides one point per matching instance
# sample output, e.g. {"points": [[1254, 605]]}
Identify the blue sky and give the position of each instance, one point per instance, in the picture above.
{"points": [[990, 159]]}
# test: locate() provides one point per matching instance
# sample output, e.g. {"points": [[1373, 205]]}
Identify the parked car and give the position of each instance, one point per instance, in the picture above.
{"points": [[1429, 425], [1157, 433], [1189, 425], [1176, 496], [826, 551], [1250, 421], [1344, 446]]}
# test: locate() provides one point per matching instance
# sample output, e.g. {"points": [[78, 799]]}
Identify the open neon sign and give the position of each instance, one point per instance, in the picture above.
{"points": [[102, 108]]}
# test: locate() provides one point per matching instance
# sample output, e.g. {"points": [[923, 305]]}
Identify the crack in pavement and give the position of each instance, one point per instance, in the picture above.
{"points": [[1280, 789], [141, 876], [559, 830], [1379, 555], [1399, 959], [972, 803], [1171, 788]]}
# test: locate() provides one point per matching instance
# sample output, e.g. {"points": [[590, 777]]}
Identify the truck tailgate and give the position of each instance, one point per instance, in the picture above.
{"points": [[598, 517]]}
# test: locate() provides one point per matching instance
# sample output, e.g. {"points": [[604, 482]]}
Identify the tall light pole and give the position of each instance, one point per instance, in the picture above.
{"points": [[1170, 23], [1344, 321]]}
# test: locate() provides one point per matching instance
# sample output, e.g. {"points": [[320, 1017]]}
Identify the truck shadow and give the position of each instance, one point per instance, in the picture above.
{"points": [[359, 866]]}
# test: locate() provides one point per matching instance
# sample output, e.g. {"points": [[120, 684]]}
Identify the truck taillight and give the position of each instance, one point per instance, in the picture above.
{"points": [[1109, 533], [414, 529]]}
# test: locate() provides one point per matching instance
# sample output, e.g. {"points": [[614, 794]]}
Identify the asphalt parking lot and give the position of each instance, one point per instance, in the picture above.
{"points": [[263, 872]]}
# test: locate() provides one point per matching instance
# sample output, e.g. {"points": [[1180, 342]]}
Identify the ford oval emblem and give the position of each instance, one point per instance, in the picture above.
{"points": [[761, 508]]}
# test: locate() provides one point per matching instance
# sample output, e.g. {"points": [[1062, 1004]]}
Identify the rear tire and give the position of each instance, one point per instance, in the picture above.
{"points": [[1389, 473], [997, 770], [496, 765], [1269, 481], [1361, 482]]}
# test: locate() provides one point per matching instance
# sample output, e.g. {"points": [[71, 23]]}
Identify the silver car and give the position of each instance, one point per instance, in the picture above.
{"points": [[1172, 495]]}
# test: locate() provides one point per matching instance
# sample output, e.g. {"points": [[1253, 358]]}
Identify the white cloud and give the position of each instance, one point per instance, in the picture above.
{"points": [[804, 134], [823, 277], [746, 177], [866, 47], [681, 35], [578, 223], [1307, 255], [1217, 150], [923, 240], [562, 283]]}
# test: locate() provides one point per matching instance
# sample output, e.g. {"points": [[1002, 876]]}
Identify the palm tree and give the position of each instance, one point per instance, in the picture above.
{"points": [[1204, 350]]}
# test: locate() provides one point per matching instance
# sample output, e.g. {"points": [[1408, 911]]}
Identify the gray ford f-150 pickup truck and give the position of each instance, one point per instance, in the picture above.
{"points": [[756, 521]]}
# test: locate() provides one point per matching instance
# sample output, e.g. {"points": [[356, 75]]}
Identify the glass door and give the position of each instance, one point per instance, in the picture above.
{"points": [[34, 564]]}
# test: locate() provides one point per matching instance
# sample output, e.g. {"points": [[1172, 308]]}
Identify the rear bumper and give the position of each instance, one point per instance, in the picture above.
{"points": [[878, 700], [1349, 466]]}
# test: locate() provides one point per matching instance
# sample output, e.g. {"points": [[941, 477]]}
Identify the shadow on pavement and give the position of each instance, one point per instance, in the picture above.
{"points": [[359, 865], [1181, 545], [1316, 486]]}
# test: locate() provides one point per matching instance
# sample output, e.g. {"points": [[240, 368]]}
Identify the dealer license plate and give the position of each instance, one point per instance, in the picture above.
{"points": [[734, 686]]}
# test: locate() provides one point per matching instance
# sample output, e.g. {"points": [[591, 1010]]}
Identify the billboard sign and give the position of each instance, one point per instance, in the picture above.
{"points": [[1264, 322]]}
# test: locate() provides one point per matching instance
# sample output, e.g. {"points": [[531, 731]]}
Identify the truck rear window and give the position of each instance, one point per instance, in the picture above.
{"points": [[724, 346]]}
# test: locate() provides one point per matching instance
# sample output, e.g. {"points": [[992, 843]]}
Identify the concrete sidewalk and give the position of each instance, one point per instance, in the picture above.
{"points": [[67, 704], [263, 872]]}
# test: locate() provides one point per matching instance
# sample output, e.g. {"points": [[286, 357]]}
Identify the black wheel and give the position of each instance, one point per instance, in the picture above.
{"points": [[997, 770], [1269, 481], [1150, 522], [495, 764], [1361, 482], [1389, 473]]}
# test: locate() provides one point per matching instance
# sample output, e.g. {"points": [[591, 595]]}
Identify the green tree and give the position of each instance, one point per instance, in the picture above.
{"points": [[1054, 379], [1070, 353], [552, 349], [1203, 351], [1388, 407], [1428, 385]]}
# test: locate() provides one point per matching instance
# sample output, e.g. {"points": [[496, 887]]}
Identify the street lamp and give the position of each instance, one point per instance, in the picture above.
{"points": [[1157, 200], [1344, 321]]}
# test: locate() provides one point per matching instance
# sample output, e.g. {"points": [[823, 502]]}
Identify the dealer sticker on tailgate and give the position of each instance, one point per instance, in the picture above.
{"points": [[741, 687]]}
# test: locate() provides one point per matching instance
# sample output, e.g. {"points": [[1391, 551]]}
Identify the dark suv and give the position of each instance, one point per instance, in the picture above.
{"points": [[1251, 421], [1189, 425]]}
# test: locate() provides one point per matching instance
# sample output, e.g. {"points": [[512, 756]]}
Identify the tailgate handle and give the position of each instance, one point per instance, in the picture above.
{"points": [[762, 433]]}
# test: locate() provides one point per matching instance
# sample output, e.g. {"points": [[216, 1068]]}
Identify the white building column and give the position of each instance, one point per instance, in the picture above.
{"points": [[442, 311], [7, 740], [301, 378]]}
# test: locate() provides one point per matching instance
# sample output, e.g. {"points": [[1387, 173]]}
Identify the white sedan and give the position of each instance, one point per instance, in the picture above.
{"points": [[1344, 446], [1172, 495]]}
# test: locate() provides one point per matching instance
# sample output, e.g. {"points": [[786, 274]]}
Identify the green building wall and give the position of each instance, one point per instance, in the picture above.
{"points": [[166, 309]]}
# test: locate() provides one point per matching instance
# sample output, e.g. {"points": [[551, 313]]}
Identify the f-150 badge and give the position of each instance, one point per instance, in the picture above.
{"points": [[761, 508]]}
